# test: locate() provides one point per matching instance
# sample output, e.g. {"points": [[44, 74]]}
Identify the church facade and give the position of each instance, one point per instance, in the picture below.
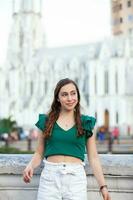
{"points": [[103, 72]]}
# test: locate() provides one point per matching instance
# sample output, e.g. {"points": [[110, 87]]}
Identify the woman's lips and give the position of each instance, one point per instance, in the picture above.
{"points": [[69, 104]]}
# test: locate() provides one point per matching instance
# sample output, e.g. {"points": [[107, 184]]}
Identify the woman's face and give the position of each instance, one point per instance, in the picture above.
{"points": [[68, 97]]}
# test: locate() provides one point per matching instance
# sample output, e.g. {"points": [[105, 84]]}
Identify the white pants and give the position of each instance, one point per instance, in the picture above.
{"points": [[62, 181]]}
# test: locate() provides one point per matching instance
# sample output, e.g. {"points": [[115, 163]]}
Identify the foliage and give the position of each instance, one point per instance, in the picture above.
{"points": [[7, 125], [11, 150]]}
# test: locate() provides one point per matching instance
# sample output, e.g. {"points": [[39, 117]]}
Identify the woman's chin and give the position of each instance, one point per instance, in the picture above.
{"points": [[69, 108]]}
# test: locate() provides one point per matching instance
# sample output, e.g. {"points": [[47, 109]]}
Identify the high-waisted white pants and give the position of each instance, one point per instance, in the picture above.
{"points": [[62, 181]]}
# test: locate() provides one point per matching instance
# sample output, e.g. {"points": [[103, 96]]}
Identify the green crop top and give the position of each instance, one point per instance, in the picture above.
{"points": [[64, 142]]}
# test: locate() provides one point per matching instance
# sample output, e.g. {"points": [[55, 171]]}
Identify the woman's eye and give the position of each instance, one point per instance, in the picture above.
{"points": [[73, 93], [65, 94]]}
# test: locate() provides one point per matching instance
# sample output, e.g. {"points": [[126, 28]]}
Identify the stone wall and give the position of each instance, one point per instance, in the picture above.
{"points": [[118, 170]]}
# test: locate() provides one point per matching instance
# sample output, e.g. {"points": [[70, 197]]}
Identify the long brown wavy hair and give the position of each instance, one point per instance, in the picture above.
{"points": [[53, 114]]}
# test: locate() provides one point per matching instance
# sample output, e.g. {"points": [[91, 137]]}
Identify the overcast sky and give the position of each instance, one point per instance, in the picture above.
{"points": [[65, 22]]}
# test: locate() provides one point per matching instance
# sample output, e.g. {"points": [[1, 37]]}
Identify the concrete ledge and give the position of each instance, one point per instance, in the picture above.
{"points": [[118, 170]]}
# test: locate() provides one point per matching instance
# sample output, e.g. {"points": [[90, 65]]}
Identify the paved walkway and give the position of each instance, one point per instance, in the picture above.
{"points": [[124, 146]]}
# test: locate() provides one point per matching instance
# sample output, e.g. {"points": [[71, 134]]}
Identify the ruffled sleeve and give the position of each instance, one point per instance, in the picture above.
{"points": [[88, 123], [41, 122]]}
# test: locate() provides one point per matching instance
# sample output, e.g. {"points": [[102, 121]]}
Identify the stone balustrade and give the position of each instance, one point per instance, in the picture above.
{"points": [[118, 171]]}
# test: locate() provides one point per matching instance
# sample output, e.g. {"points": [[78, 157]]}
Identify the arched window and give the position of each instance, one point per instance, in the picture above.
{"points": [[116, 82], [31, 88], [106, 84], [106, 118], [96, 115], [117, 118], [46, 87], [95, 84]]}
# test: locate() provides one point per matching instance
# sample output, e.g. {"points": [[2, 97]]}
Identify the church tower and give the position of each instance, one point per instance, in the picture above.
{"points": [[25, 39], [26, 33]]}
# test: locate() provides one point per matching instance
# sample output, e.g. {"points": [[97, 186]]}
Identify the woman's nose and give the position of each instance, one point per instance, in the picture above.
{"points": [[69, 97]]}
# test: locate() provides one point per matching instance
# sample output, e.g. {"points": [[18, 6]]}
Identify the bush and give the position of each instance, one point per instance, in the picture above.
{"points": [[11, 150]]}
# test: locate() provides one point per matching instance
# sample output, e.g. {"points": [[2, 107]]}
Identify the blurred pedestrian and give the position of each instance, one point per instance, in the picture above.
{"points": [[101, 135], [115, 134]]}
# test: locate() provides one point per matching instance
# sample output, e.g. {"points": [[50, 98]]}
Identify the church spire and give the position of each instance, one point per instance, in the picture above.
{"points": [[27, 6]]}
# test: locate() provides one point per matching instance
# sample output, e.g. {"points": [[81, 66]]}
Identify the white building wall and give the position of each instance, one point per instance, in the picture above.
{"points": [[100, 111], [121, 67], [100, 79], [112, 69], [33, 71], [92, 75]]}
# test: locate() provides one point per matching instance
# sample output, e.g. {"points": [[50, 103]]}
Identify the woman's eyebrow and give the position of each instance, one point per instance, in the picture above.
{"points": [[67, 92], [64, 92], [73, 91]]}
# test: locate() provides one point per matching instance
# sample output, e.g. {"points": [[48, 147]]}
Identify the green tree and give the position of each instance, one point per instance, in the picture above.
{"points": [[6, 126]]}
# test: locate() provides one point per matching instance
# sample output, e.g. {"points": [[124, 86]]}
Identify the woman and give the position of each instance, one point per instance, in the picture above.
{"points": [[65, 133]]}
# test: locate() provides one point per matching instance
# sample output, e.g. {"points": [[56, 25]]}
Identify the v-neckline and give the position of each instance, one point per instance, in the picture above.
{"points": [[63, 128]]}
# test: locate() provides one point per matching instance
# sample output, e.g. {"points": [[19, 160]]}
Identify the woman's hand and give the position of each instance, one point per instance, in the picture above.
{"points": [[105, 194], [28, 173]]}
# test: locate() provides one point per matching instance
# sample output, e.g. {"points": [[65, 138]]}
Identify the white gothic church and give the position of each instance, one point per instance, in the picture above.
{"points": [[103, 72]]}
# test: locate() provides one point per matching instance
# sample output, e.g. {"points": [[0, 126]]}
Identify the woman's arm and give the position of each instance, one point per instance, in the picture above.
{"points": [[94, 160], [96, 166], [38, 155], [35, 161]]}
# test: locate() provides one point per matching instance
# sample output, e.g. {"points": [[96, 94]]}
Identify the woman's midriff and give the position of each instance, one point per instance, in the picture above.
{"points": [[62, 158]]}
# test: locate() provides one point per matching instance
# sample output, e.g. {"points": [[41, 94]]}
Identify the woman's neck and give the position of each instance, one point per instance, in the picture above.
{"points": [[66, 119], [66, 113]]}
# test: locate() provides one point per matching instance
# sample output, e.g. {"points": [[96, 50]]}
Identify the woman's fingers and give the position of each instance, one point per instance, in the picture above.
{"points": [[26, 180], [30, 173], [27, 175]]}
